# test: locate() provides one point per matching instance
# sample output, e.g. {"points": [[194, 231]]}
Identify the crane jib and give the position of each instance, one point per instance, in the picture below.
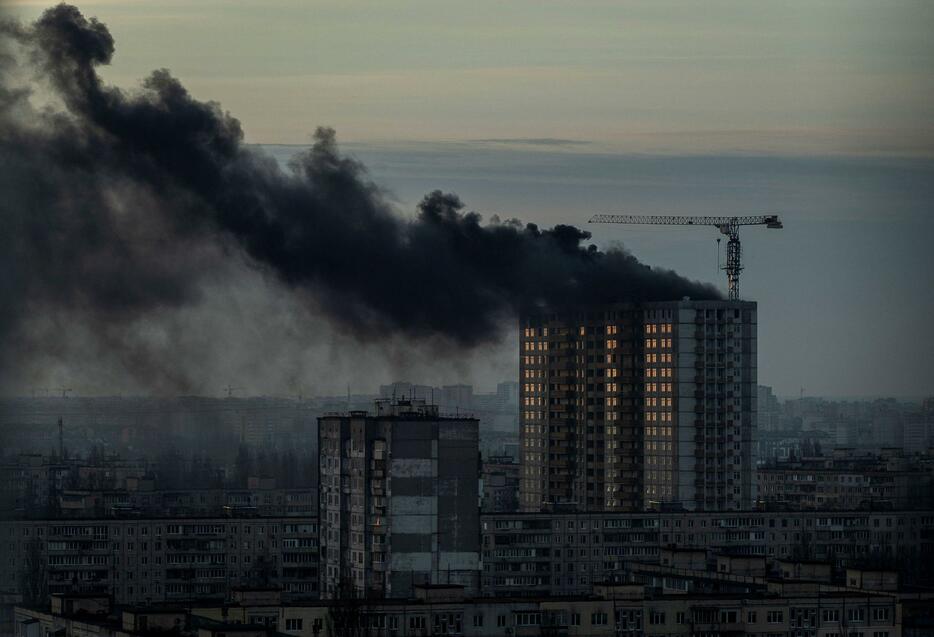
{"points": [[726, 225]]}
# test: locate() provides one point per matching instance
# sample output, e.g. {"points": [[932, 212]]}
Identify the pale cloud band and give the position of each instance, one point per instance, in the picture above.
{"points": [[837, 78]]}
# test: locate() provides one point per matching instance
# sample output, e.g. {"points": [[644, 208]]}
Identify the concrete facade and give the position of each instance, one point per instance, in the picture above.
{"points": [[567, 553], [162, 560], [399, 502], [634, 610], [704, 460], [848, 480]]}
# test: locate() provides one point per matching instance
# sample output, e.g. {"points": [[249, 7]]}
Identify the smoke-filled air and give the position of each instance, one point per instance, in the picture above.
{"points": [[118, 203]]}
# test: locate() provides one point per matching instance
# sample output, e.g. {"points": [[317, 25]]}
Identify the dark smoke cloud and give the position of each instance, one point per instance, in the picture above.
{"points": [[119, 204]]}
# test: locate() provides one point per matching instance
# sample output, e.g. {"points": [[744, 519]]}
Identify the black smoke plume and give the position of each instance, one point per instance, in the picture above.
{"points": [[118, 203]]}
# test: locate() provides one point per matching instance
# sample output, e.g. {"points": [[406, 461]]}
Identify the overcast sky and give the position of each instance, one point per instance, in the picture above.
{"points": [[802, 76], [550, 111]]}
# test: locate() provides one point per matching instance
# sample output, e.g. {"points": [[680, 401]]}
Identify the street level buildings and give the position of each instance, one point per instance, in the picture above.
{"points": [[772, 608]]}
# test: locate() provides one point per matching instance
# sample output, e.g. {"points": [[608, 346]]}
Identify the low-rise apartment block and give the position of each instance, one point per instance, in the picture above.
{"points": [[567, 553], [633, 610], [161, 559], [847, 480]]}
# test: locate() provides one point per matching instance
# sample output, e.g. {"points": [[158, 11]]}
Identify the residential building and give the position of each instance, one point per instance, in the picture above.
{"points": [[500, 485], [614, 609], [626, 407], [566, 553], [161, 559], [399, 501], [849, 480]]}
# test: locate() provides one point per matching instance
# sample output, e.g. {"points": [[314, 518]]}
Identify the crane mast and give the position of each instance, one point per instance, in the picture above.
{"points": [[728, 226]]}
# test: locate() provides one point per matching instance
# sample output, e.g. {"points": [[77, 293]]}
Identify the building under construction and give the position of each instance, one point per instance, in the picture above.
{"points": [[637, 406]]}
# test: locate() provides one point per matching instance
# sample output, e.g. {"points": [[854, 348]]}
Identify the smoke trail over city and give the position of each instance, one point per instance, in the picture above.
{"points": [[120, 203]]}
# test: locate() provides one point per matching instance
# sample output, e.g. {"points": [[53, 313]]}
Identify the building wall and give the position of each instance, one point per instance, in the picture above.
{"points": [[714, 392]]}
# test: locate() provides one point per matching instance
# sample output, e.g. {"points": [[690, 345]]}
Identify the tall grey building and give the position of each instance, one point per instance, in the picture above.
{"points": [[399, 501], [700, 404], [631, 406]]}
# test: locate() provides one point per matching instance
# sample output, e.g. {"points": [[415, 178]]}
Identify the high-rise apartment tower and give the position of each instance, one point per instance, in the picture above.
{"points": [[633, 406], [399, 500]]}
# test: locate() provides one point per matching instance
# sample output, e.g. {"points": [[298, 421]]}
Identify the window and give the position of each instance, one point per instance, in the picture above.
{"points": [[679, 617], [575, 619], [656, 618], [293, 623], [751, 617], [775, 616], [831, 616], [856, 614], [598, 619], [478, 620], [500, 621], [528, 619], [880, 614]]}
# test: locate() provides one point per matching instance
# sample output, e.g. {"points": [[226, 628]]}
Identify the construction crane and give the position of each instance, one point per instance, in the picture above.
{"points": [[726, 225]]}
